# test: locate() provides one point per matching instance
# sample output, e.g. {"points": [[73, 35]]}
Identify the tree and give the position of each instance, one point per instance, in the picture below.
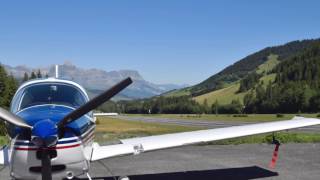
{"points": [[8, 86], [3, 86], [25, 77], [315, 103], [12, 86], [206, 108], [33, 75], [249, 82], [249, 102], [236, 106], [39, 75], [215, 107]]}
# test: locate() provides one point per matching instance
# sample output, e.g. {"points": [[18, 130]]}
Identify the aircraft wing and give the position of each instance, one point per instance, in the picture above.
{"points": [[143, 144]]}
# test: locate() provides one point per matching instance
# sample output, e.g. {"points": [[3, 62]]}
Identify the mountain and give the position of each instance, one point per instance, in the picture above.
{"points": [[287, 81], [98, 80], [231, 75], [248, 64]]}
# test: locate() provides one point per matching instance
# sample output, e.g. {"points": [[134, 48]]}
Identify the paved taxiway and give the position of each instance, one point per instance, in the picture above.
{"points": [[296, 162], [203, 123], [241, 162]]}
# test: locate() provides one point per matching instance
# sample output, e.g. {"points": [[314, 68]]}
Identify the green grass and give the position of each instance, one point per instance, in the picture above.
{"points": [[4, 140], [223, 96], [179, 92], [283, 137], [110, 129], [269, 64], [268, 78], [226, 117]]}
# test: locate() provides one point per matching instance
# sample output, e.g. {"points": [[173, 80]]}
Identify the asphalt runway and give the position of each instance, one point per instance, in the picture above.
{"points": [[296, 162], [204, 123], [218, 162]]}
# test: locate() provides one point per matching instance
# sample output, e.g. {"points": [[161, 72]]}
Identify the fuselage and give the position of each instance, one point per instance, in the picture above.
{"points": [[50, 99]]}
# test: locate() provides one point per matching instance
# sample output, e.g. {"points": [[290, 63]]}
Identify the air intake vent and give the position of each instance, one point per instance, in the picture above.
{"points": [[55, 168]]}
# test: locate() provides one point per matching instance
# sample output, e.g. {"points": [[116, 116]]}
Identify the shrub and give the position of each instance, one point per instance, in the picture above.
{"points": [[240, 115], [280, 115]]}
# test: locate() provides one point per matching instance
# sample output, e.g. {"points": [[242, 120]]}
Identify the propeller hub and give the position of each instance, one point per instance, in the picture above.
{"points": [[45, 133]]}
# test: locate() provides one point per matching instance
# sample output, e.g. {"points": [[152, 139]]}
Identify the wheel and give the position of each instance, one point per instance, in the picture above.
{"points": [[123, 178]]}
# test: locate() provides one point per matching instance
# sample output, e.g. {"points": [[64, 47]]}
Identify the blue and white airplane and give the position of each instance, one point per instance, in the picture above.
{"points": [[51, 127]]}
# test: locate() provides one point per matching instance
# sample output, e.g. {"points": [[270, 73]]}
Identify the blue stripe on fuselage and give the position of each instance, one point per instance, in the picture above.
{"points": [[31, 144]]}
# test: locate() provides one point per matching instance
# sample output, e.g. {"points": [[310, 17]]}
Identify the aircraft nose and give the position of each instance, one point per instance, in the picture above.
{"points": [[44, 133]]}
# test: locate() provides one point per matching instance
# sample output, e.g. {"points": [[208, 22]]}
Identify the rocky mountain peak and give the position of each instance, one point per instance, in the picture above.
{"points": [[96, 80]]}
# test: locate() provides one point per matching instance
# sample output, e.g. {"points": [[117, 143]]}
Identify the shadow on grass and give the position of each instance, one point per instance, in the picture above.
{"points": [[244, 173]]}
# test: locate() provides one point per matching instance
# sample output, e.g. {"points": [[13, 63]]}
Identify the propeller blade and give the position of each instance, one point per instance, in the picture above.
{"points": [[12, 118], [94, 103], [46, 170]]}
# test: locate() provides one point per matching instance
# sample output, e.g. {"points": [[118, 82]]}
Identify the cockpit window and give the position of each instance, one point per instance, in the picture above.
{"points": [[51, 94]]}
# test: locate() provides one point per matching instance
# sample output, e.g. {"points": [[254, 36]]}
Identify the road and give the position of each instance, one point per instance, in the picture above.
{"points": [[203, 123]]}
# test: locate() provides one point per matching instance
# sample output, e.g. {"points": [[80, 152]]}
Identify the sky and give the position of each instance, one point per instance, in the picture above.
{"points": [[167, 41]]}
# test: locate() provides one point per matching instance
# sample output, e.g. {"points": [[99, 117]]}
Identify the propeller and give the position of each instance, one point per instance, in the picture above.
{"points": [[13, 119], [94, 103], [45, 133]]}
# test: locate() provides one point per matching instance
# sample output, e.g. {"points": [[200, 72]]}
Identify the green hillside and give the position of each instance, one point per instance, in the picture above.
{"points": [[229, 93], [178, 92], [243, 67], [296, 87], [223, 96]]}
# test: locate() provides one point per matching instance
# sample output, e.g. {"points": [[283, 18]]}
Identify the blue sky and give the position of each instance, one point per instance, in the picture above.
{"points": [[167, 41]]}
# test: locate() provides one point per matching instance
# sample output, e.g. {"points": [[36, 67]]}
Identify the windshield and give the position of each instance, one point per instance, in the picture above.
{"points": [[59, 94]]}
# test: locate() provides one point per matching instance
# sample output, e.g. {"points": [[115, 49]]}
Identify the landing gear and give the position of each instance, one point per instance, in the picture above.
{"points": [[89, 177], [275, 141]]}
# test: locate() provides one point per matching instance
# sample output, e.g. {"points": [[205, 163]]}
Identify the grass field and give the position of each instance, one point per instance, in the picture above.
{"points": [[283, 137], [178, 93], [227, 117], [223, 96], [110, 129]]}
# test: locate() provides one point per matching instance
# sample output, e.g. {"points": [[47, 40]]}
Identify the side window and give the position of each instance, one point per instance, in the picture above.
{"points": [[78, 99], [26, 100]]}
